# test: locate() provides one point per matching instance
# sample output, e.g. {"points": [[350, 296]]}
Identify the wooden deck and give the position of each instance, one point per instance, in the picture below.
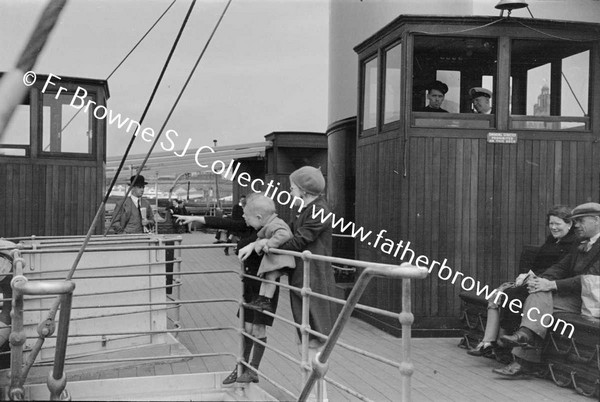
{"points": [[443, 371]]}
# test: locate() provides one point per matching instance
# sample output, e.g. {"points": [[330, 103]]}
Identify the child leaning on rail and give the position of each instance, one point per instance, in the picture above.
{"points": [[259, 213], [255, 323]]}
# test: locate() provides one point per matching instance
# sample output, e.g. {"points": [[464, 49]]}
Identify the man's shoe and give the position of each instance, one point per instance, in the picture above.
{"points": [[261, 303], [231, 378], [522, 337], [248, 376], [485, 349], [513, 370], [503, 355]]}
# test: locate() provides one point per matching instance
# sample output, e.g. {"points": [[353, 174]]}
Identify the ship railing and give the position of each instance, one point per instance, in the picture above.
{"points": [[20, 285], [313, 372]]}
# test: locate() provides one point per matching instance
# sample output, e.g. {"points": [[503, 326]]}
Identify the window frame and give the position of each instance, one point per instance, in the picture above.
{"points": [[362, 91], [587, 120], [405, 28], [493, 118], [92, 121], [384, 52]]}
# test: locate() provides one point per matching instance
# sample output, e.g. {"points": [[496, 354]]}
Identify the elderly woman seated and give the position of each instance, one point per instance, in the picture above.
{"points": [[557, 245]]}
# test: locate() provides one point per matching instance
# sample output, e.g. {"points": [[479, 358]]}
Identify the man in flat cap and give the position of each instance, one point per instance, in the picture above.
{"points": [[436, 92], [135, 214], [481, 100], [557, 289]]}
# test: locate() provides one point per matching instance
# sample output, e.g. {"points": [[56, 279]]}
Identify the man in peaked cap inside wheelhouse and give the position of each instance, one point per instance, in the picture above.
{"points": [[481, 100]]}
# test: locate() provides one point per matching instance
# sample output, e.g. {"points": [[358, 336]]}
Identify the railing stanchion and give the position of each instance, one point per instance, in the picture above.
{"points": [[320, 365], [406, 319], [305, 315], [177, 279], [240, 367], [57, 379]]}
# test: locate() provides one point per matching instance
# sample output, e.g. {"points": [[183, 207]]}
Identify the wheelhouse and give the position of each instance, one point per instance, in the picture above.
{"points": [[52, 158], [473, 188]]}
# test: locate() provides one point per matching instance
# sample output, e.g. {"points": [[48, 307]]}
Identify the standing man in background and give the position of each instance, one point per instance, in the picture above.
{"points": [[135, 214]]}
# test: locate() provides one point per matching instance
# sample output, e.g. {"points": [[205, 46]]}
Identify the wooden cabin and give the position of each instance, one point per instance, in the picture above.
{"points": [[467, 187], [288, 151], [52, 159]]}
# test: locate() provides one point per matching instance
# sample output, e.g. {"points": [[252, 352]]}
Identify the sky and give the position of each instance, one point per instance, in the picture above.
{"points": [[265, 69]]}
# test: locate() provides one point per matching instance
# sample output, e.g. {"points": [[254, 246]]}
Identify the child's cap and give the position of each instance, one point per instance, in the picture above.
{"points": [[309, 179]]}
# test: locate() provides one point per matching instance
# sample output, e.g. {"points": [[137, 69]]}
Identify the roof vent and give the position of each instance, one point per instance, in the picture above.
{"points": [[510, 5]]}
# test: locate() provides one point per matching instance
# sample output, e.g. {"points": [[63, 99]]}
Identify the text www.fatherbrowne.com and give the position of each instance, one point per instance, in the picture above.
{"points": [[467, 283]]}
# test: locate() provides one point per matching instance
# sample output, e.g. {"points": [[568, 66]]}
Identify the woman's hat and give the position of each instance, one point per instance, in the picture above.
{"points": [[588, 209], [140, 182], [309, 179]]}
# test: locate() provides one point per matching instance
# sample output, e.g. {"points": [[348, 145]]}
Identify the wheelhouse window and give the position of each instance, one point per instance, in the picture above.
{"points": [[16, 140], [391, 95], [550, 85], [461, 64], [66, 129], [369, 95]]}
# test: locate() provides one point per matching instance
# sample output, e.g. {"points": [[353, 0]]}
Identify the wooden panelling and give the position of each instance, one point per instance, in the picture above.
{"points": [[465, 200], [47, 200]]}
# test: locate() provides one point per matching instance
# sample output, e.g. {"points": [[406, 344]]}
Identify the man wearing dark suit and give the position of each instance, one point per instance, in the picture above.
{"points": [[557, 289], [135, 214]]}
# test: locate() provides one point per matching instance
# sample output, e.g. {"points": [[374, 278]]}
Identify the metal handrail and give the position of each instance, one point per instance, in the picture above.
{"points": [[405, 271], [57, 379], [319, 365]]}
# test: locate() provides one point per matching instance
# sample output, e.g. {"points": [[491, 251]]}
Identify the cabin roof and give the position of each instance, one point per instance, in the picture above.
{"points": [[405, 21], [74, 80], [171, 164]]}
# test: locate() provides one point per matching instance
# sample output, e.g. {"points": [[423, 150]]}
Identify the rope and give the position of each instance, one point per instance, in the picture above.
{"points": [[119, 65], [134, 136], [40, 35], [187, 81], [553, 36], [53, 309], [12, 88], [146, 34], [461, 30]]}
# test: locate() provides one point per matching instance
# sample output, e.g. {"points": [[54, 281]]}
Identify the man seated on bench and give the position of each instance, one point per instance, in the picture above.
{"points": [[557, 289]]}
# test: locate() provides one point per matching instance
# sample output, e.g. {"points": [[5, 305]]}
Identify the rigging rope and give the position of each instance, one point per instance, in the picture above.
{"points": [[54, 308], [118, 65], [11, 86], [187, 81]]}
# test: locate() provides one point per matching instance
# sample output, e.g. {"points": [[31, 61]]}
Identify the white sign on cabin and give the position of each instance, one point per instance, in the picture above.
{"points": [[502, 138]]}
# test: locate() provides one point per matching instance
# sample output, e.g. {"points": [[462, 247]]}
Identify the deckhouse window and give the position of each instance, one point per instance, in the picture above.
{"points": [[369, 102], [391, 95], [550, 85], [66, 129], [16, 139], [453, 67]]}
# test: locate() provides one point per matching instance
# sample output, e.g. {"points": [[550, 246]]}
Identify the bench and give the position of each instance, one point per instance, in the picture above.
{"points": [[569, 362]]}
